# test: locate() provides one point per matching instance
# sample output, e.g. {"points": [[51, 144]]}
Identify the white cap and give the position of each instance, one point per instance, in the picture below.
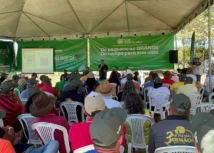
{"points": [[175, 72], [129, 72]]}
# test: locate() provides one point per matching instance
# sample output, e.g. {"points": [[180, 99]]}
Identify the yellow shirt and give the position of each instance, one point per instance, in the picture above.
{"points": [[177, 85]]}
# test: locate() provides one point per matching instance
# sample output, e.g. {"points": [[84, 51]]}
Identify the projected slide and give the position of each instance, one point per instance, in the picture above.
{"points": [[39, 60]]}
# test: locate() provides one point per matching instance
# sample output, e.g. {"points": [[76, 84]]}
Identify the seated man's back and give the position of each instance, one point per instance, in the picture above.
{"points": [[188, 87], [47, 86]]}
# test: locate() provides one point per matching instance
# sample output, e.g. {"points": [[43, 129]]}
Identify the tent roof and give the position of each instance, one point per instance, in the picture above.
{"points": [[49, 19]]}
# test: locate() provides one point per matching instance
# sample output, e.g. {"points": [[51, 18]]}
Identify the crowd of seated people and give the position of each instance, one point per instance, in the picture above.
{"points": [[104, 127]]}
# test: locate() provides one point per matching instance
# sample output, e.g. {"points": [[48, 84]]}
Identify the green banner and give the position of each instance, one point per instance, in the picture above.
{"points": [[6, 56], [137, 53], [68, 54]]}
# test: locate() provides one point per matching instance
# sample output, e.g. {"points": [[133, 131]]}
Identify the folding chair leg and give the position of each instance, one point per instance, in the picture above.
{"points": [[129, 148]]}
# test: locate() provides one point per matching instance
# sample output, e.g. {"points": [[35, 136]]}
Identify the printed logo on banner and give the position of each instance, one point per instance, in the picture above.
{"points": [[120, 41]]}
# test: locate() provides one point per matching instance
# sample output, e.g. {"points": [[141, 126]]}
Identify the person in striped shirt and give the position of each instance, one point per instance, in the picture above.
{"points": [[11, 104]]}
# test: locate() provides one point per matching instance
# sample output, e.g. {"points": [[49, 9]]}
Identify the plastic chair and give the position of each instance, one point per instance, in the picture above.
{"points": [[1, 123], [122, 104], [16, 89], [159, 98], [205, 107], [166, 85], [195, 99], [46, 132], [136, 122], [163, 112], [91, 147], [201, 91], [28, 120], [49, 94], [211, 100], [176, 149], [145, 96], [24, 100], [115, 94], [70, 107]]}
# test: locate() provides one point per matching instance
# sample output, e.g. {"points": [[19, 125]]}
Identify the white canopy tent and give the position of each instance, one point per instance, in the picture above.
{"points": [[58, 19]]}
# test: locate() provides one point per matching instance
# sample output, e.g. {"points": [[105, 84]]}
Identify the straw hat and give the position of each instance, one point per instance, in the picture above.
{"points": [[90, 75], [105, 89]]}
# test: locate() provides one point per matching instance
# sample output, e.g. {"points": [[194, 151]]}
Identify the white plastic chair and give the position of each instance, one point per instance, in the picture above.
{"points": [[163, 112], [195, 99], [205, 107], [146, 90], [201, 91], [159, 99], [49, 94], [46, 132], [176, 149], [136, 122], [24, 100], [91, 147], [166, 85], [70, 107], [122, 104], [115, 94], [28, 120], [16, 89], [211, 100], [1, 123]]}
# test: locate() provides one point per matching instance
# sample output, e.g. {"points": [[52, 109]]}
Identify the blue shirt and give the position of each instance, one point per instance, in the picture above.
{"points": [[149, 84], [24, 94], [92, 151]]}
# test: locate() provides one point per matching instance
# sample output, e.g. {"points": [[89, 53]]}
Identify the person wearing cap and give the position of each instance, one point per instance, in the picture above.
{"points": [[187, 87], [47, 86], [122, 81], [78, 73], [176, 129], [40, 108], [103, 69], [203, 126], [41, 84], [23, 82], [167, 78], [174, 76], [34, 75], [157, 89], [94, 103], [16, 80], [174, 86], [70, 77], [106, 130], [106, 90], [3, 77], [63, 77], [30, 82], [129, 76], [197, 68], [11, 104], [90, 82]]}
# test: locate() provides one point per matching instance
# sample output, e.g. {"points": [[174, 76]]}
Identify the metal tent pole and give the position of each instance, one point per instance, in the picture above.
{"points": [[209, 41]]}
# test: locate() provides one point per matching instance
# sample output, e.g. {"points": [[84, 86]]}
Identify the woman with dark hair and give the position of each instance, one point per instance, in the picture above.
{"points": [[90, 82], [114, 78], [134, 105], [136, 78], [128, 88]]}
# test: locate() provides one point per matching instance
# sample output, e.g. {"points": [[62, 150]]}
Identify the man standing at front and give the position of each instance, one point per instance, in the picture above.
{"points": [[197, 68], [103, 69]]}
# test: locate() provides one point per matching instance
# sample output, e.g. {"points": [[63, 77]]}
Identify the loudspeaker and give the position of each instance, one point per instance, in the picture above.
{"points": [[173, 56]]}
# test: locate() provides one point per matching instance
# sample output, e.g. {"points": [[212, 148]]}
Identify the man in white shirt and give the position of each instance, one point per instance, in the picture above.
{"points": [[190, 74], [187, 87], [124, 76], [197, 68], [107, 90], [206, 84]]}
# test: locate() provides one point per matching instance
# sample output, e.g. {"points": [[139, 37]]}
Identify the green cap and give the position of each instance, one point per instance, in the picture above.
{"points": [[178, 100], [189, 80], [75, 83], [157, 80], [46, 79], [129, 76], [34, 74], [16, 77], [203, 125], [182, 76], [3, 74], [31, 82], [33, 90], [41, 77], [2, 113], [107, 126], [8, 86]]}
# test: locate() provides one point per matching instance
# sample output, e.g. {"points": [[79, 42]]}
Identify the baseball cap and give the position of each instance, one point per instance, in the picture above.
{"points": [[129, 71], [75, 83], [31, 82], [46, 79], [33, 90], [94, 102], [157, 80], [3, 74], [2, 113], [189, 79], [203, 125], [182, 76], [16, 77], [129, 76], [107, 126], [181, 99], [175, 72], [34, 74], [8, 86], [41, 77]]}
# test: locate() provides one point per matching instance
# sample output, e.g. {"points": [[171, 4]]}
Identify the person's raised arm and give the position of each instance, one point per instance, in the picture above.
{"points": [[15, 97], [99, 67]]}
